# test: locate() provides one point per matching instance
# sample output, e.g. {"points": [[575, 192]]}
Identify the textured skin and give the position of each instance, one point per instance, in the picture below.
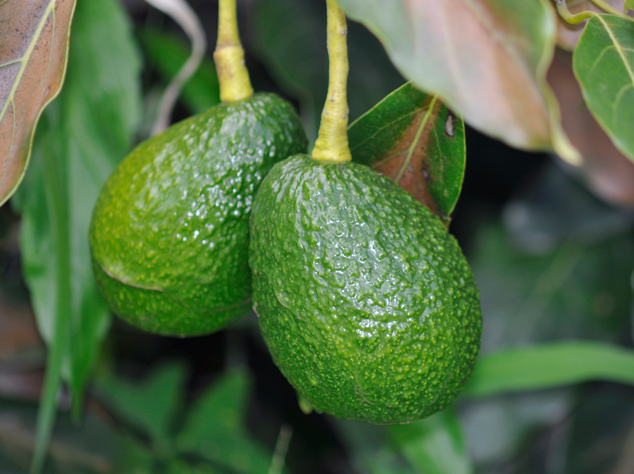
{"points": [[365, 301], [170, 231]]}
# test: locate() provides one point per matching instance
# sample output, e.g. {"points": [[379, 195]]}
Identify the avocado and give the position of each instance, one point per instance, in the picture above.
{"points": [[169, 234], [365, 301]]}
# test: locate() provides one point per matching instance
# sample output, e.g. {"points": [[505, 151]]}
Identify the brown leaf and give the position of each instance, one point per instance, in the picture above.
{"points": [[33, 56], [408, 169], [407, 163], [605, 169], [568, 35], [413, 139]]}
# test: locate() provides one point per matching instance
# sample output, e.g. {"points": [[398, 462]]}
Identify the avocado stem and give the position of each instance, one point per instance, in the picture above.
{"points": [[332, 141], [229, 56]]}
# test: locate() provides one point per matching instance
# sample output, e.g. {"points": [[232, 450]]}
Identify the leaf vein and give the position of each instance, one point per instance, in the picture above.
{"points": [[419, 133], [4, 175], [15, 61], [28, 52], [617, 100], [387, 125], [619, 48], [600, 57]]}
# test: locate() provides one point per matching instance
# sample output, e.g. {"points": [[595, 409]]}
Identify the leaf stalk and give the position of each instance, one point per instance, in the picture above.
{"points": [[573, 19], [569, 17]]}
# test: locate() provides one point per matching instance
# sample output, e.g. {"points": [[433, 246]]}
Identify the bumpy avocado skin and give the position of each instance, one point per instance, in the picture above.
{"points": [[366, 303], [170, 231]]}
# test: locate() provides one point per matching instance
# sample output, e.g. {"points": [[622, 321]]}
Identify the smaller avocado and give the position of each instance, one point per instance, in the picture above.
{"points": [[365, 301], [169, 234]]}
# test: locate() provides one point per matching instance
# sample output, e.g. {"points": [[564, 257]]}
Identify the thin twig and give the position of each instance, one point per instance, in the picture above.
{"points": [[281, 449], [182, 14]]}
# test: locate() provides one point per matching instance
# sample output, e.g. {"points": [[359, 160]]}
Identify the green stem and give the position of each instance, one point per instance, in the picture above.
{"points": [[569, 17], [562, 8], [57, 197], [229, 56], [332, 141], [611, 10]]}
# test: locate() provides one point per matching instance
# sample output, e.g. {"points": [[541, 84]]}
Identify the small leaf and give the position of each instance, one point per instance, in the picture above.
{"points": [[151, 405], [486, 59], [168, 54], [214, 427], [434, 445], [222, 407], [604, 66], [629, 5], [550, 366], [413, 139], [33, 59]]}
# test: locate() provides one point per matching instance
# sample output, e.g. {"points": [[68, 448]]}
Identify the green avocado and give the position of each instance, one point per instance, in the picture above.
{"points": [[169, 234], [365, 301]]}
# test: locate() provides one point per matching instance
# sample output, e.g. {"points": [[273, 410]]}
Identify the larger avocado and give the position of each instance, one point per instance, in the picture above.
{"points": [[365, 301], [170, 231]]}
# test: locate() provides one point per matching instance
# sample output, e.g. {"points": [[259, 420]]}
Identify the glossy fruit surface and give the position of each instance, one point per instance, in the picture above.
{"points": [[365, 301], [170, 231]]}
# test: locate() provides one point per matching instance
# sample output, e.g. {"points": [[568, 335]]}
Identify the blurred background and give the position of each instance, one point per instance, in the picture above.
{"points": [[551, 248]]}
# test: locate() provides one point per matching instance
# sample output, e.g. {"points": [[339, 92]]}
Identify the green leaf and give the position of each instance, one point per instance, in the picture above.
{"points": [[604, 66], [563, 272], [88, 131], [487, 60], [550, 366], [431, 446], [151, 405], [629, 5], [54, 193], [83, 135], [32, 65], [290, 38], [214, 427], [134, 457], [167, 54], [413, 139], [434, 445]]}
